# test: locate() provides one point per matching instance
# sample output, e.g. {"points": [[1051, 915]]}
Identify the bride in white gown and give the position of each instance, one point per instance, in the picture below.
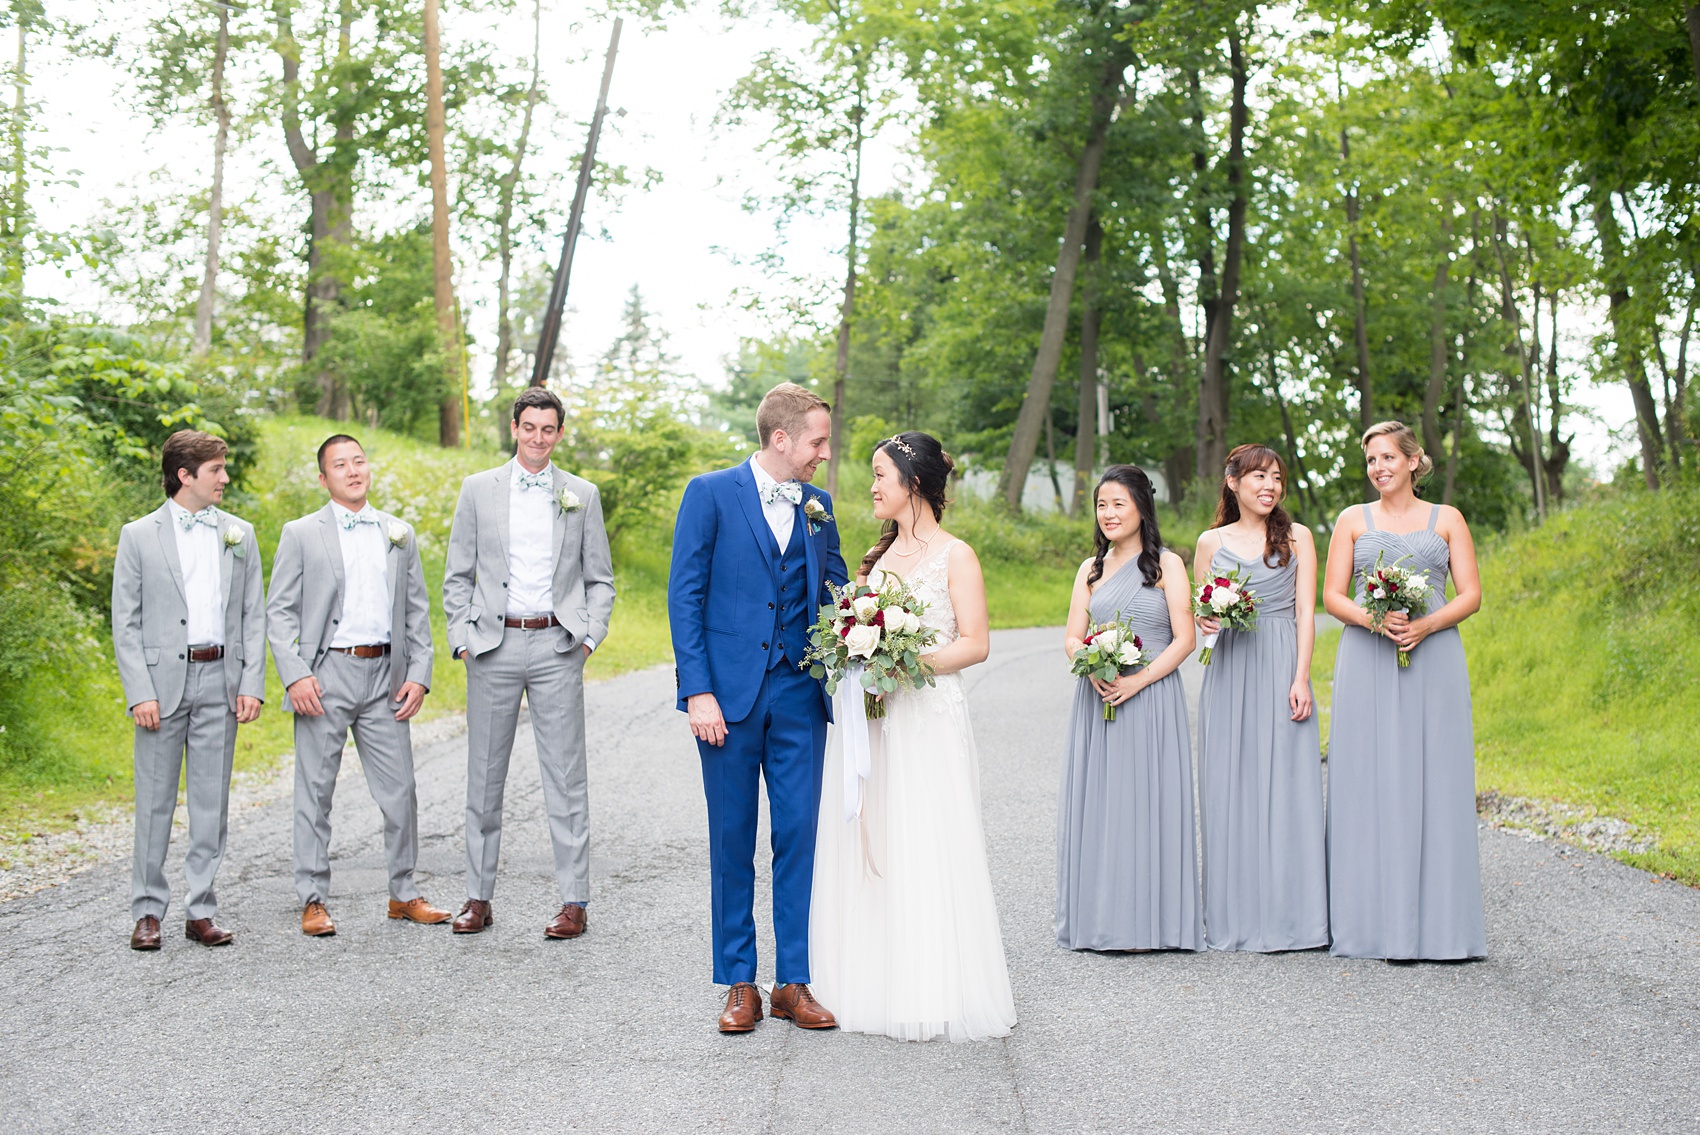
{"points": [[903, 929]]}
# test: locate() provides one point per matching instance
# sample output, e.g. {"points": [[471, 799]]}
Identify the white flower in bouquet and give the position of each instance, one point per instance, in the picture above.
{"points": [[894, 620], [1109, 640], [1224, 597], [862, 641], [865, 606], [1128, 654]]}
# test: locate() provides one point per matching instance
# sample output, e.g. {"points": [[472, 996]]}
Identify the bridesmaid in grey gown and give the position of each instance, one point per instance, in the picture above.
{"points": [[1403, 869], [1127, 874], [1259, 752]]}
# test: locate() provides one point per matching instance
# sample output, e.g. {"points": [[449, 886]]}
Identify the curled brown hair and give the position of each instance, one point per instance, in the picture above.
{"points": [[1138, 486], [1278, 528]]}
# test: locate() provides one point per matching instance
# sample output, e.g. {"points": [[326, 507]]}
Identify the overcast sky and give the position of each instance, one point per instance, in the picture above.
{"points": [[688, 242]]}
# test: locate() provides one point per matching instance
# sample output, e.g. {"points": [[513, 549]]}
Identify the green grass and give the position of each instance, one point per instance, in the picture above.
{"points": [[1585, 667]]}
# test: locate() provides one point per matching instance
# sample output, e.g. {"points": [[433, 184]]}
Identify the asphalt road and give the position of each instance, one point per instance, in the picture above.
{"points": [[1585, 1017]]}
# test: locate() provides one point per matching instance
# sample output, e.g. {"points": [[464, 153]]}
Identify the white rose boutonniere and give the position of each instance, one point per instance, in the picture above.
{"points": [[397, 532], [232, 537], [816, 514], [568, 500]]}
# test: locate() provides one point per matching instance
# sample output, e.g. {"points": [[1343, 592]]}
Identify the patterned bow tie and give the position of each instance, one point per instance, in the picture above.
{"points": [[789, 490], [365, 516], [535, 480], [207, 516]]}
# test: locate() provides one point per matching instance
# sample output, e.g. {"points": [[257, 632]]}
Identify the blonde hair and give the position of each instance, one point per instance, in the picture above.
{"points": [[1401, 435], [786, 407]]}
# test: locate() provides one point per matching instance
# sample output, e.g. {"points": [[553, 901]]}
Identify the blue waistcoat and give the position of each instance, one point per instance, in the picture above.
{"points": [[795, 613]]}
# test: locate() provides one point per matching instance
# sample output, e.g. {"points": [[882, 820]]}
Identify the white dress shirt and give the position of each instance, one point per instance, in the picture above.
{"points": [[365, 584], [197, 554], [781, 514], [531, 545]]}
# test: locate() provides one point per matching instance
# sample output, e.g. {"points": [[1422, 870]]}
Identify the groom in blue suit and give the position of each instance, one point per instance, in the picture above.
{"points": [[753, 551]]}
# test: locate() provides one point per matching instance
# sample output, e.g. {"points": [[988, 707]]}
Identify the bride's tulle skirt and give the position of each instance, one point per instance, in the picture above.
{"points": [[903, 928]]}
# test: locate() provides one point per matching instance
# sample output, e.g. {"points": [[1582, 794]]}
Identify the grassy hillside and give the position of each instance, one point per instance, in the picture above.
{"points": [[1585, 667]]}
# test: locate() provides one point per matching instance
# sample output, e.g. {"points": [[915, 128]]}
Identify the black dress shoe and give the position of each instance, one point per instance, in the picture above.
{"points": [[204, 931], [146, 934]]}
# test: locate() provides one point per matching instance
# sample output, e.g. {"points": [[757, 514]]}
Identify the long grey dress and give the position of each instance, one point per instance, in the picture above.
{"points": [[1403, 869], [1260, 780], [1127, 877]]}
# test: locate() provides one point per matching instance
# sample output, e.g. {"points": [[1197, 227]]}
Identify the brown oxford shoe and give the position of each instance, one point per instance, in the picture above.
{"points": [[418, 910], [796, 1004], [473, 917], [203, 930], [146, 934], [569, 923], [743, 1009], [316, 920]]}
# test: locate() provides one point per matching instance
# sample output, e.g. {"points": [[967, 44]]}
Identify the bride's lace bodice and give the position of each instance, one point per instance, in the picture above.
{"points": [[930, 582]]}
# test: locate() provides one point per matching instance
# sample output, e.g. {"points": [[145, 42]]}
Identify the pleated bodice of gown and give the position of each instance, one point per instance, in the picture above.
{"points": [[904, 937], [1260, 779], [1403, 862], [1127, 875]]}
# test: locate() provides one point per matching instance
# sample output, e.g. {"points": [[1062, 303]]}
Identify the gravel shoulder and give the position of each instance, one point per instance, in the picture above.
{"points": [[1584, 1018]]}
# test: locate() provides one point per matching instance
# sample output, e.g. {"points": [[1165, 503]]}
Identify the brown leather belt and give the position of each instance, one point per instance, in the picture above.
{"points": [[376, 650], [205, 653], [541, 622]]}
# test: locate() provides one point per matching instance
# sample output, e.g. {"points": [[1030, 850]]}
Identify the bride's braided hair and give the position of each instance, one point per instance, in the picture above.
{"points": [[924, 468]]}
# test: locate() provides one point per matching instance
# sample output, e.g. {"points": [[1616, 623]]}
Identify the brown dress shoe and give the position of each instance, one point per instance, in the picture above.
{"points": [[418, 910], [146, 934], [796, 1004], [473, 917], [203, 930], [316, 920], [743, 1009], [569, 923]]}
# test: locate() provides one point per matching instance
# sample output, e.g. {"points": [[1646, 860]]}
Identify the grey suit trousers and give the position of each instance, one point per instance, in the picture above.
{"points": [[355, 694], [553, 682], [202, 735]]}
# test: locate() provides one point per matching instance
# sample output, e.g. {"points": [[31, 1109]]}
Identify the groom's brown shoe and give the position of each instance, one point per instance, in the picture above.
{"points": [[796, 1004], [743, 1008], [146, 934], [473, 917], [316, 920]]}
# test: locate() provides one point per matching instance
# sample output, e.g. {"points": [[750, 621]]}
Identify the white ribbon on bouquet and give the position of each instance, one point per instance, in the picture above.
{"points": [[1210, 640], [858, 755]]}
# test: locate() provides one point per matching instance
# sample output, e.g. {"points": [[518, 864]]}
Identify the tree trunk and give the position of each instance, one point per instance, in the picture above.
{"points": [[1692, 13], [1674, 383], [1558, 448], [1091, 316], [1513, 317], [847, 311], [1213, 391], [1360, 319], [1458, 424], [1301, 480], [1209, 286], [1057, 498], [510, 183], [1438, 351], [215, 207], [1035, 405], [1624, 335], [18, 205], [442, 263], [1179, 465]]}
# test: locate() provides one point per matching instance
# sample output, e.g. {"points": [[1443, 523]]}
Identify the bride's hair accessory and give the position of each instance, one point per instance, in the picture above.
{"points": [[897, 440]]}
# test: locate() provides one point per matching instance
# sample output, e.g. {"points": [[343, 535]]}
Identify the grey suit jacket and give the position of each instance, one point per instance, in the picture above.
{"points": [[475, 585], [306, 599], [150, 612]]}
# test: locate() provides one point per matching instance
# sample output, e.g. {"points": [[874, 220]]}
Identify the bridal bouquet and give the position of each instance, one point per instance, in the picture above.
{"points": [[1107, 650], [875, 635], [1226, 599], [1393, 588]]}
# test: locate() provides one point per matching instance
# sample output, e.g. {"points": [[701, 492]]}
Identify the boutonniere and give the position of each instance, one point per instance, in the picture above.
{"points": [[817, 515], [397, 532], [232, 537], [568, 500]]}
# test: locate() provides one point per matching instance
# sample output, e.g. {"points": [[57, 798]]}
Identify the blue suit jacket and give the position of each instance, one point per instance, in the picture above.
{"points": [[723, 588]]}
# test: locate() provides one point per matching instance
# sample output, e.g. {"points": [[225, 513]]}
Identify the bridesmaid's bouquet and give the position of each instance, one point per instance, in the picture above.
{"points": [[1228, 599], [1393, 588], [1106, 652], [874, 634]]}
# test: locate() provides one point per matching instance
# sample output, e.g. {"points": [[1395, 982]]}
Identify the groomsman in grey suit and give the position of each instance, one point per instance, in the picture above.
{"points": [[528, 593], [350, 629], [188, 627]]}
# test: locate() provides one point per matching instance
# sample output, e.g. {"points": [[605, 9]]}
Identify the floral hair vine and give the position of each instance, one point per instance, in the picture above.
{"points": [[897, 440]]}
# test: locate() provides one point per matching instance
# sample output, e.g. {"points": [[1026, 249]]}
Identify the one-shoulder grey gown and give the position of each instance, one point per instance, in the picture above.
{"points": [[1403, 868], [1127, 876], [1260, 780]]}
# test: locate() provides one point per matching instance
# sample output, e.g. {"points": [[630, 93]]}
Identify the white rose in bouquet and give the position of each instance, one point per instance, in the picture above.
{"points": [[1128, 655], [911, 622], [894, 620], [862, 641], [865, 607], [1109, 640], [1224, 597]]}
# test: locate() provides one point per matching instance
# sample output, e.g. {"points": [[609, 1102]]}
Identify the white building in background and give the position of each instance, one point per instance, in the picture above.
{"points": [[1039, 493]]}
